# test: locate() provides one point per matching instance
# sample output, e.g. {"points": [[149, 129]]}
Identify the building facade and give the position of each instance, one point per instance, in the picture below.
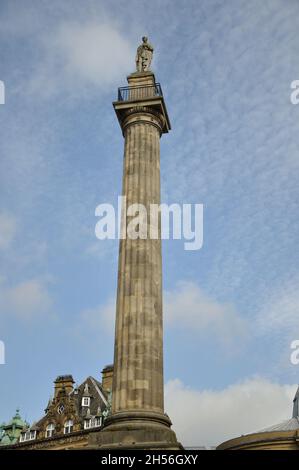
{"points": [[71, 416]]}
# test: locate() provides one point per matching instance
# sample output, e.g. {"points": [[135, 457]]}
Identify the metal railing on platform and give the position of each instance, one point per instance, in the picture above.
{"points": [[139, 92]]}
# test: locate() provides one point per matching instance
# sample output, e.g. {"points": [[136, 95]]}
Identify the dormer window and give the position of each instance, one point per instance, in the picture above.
{"points": [[98, 422], [27, 436], [68, 426], [92, 422], [87, 423], [50, 430], [85, 401]]}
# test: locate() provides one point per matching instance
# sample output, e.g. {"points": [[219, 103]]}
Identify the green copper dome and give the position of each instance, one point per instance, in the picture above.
{"points": [[11, 431], [16, 420]]}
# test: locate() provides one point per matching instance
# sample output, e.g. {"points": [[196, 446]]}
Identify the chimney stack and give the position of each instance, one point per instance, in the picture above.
{"points": [[107, 377], [63, 382]]}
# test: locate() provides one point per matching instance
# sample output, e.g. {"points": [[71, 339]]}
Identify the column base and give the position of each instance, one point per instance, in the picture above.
{"points": [[136, 430]]}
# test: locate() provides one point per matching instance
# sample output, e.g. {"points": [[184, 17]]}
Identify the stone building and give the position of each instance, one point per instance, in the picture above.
{"points": [[71, 416]]}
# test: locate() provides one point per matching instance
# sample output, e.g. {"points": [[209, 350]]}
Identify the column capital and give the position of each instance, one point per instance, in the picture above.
{"points": [[142, 115]]}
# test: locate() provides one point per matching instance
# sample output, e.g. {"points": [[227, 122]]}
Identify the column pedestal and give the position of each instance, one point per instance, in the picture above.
{"points": [[136, 430]]}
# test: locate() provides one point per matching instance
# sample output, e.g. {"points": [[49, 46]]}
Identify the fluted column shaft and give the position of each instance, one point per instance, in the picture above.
{"points": [[138, 354]]}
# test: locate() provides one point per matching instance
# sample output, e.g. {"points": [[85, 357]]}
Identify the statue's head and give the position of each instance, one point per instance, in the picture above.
{"points": [[144, 38]]}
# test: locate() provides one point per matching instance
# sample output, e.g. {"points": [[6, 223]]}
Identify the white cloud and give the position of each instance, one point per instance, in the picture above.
{"points": [[8, 227], [26, 300], [78, 54], [209, 417], [188, 306], [97, 52]]}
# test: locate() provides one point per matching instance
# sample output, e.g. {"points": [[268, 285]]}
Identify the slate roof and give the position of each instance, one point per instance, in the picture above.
{"points": [[98, 398], [287, 425], [98, 402]]}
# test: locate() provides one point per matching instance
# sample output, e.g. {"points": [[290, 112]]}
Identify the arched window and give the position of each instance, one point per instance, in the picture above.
{"points": [[68, 426], [50, 430]]}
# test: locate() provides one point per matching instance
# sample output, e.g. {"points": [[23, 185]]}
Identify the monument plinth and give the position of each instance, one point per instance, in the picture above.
{"points": [[137, 417]]}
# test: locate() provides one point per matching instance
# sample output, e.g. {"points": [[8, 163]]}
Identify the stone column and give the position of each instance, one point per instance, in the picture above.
{"points": [[138, 356], [138, 418]]}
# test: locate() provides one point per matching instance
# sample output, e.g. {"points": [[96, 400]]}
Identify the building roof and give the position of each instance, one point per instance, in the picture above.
{"points": [[9, 432], [288, 424], [16, 421], [69, 405]]}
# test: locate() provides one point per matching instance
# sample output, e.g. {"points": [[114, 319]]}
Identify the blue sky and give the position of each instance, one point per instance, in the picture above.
{"points": [[231, 308]]}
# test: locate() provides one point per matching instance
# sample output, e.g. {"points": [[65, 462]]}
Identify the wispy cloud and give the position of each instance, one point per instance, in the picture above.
{"points": [[78, 55], [8, 228], [279, 315], [188, 306], [92, 323], [27, 300]]}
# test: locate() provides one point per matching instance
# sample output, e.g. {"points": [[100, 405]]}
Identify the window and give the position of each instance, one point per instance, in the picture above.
{"points": [[87, 423], [50, 430], [23, 436], [68, 426], [97, 422], [85, 401], [27, 436], [60, 409], [92, 422]]}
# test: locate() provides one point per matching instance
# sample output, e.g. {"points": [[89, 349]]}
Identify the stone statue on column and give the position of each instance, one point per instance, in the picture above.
{"points": [[144, 55]]}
